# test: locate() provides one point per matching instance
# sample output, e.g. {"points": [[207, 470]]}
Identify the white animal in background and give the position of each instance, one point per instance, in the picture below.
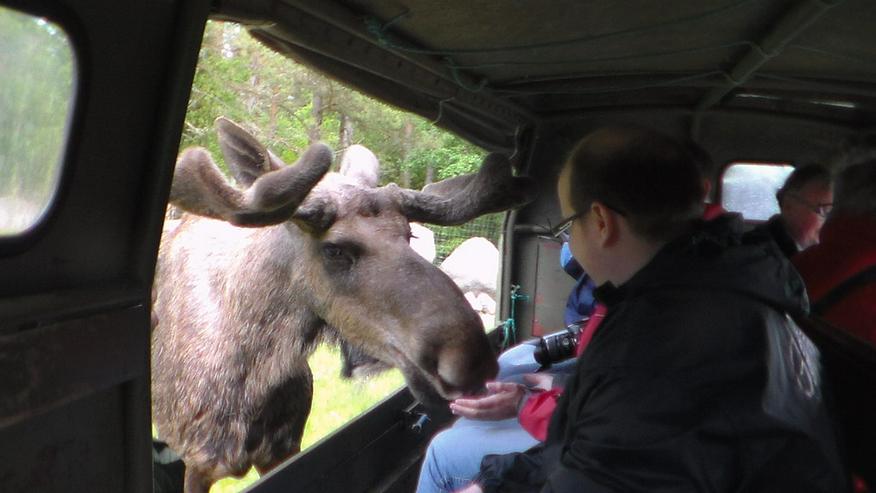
{"points": [[474, 267], [487, 304], [423, 241]]}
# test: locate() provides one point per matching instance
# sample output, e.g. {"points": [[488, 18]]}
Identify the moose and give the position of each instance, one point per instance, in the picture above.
{"points": [[256, 275]]}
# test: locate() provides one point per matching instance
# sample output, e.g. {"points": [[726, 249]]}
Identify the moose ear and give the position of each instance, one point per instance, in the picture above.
{"points": [[200, 188], [246, 157]]}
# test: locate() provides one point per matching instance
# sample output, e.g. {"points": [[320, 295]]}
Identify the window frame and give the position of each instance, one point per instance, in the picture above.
{"points": [[66, 21]]}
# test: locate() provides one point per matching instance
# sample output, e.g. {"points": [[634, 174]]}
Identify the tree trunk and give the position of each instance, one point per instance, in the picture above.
{"points": [[315, 133], [406, 148], [345, 137]]}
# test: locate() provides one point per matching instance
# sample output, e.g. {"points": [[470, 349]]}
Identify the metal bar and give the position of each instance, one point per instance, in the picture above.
{"points": [[795, 21]]}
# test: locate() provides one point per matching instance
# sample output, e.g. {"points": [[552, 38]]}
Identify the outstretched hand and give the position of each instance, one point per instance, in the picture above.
{"points": [[500, 403], [541, 381], [471, 488]]}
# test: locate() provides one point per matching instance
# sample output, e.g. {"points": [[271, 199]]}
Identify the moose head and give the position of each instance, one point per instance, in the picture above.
{"points": [[348, 243]]}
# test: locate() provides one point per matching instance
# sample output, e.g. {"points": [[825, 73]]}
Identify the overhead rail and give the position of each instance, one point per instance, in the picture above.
{"points": [[795, 21]]}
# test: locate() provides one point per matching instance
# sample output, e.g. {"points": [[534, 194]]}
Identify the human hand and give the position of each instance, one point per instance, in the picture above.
{"points": [[542, 381], [500, 403], [471, 488]]}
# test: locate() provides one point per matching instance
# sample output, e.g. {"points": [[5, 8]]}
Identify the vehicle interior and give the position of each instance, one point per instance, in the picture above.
{"points": [[765, 81]]}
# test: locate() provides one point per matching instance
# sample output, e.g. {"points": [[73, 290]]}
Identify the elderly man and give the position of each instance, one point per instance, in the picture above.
{"points": [[804, 202], [696, 380]]}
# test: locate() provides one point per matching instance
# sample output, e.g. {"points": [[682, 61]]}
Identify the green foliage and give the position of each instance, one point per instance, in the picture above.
{"points": [[286, 106]]}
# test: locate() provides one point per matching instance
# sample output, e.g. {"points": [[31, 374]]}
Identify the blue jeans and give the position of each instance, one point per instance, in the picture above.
{"points": [[454, 456]]}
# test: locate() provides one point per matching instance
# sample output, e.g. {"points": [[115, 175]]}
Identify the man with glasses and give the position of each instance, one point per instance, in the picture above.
{"points": [[696, 380], [804, 203], [840, 272]]}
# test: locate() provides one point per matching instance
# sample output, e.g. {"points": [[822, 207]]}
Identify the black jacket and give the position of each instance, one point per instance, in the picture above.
{"points": [[776, 230], [695, 381]]}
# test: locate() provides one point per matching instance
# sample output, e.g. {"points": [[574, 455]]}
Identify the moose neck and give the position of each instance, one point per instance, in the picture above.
{"points": [[263, 335]]}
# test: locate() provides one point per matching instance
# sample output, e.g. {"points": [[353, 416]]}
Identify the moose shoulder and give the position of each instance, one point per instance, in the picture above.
{"points": [[254, 277]]}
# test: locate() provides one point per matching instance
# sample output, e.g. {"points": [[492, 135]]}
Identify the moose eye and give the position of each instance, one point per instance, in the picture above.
{"points": [[332, 251], [338, 257]]}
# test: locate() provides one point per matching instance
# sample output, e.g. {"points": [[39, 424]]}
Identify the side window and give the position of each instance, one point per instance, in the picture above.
{"points": [[36, 90], [750, 188]]}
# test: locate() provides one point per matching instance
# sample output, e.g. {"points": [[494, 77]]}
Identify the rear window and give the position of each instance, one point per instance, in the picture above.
{"points": [[750, 188], [37, 73]]}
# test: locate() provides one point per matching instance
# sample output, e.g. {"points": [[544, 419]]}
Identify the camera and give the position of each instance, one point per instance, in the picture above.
{"points": [[558, 346]]}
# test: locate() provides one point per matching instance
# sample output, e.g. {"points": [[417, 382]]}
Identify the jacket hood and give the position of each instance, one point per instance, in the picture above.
{"points": [[715, 256]]}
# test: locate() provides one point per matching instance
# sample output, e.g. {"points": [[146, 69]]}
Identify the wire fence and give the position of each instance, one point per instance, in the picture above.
{"points": [[447, 238]]}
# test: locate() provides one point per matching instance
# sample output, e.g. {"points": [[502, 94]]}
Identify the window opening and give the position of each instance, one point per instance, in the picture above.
{"points": [[750, 188]]}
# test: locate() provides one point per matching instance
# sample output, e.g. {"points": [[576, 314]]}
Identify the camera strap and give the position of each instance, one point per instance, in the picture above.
{"points": [[590, 329]]}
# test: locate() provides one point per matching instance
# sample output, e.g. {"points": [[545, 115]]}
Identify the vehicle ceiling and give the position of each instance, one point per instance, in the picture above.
{"points": [[489, 70]]}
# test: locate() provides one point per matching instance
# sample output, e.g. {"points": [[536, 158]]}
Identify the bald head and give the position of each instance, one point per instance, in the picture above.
{"points": [[648, 177]]}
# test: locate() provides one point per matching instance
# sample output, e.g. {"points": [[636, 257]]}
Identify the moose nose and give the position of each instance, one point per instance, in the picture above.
{"points": [[465, 372]]}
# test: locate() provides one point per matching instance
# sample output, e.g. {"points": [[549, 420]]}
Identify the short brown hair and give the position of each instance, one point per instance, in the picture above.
{"points": [[648, 177]]}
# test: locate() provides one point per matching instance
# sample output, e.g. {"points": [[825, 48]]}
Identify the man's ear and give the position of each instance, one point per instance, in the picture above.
{"points": [[607, 224]]}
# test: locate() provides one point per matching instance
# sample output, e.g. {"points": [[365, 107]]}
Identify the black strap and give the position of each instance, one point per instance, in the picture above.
{"points": [[862, 278]]}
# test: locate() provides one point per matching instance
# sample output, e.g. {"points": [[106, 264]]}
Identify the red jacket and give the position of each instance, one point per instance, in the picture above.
{"points": [[848, 245], [535, 415]]}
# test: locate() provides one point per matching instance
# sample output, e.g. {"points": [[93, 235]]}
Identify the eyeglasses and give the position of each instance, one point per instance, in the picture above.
{"points": [[561, 230], [821, 209]]}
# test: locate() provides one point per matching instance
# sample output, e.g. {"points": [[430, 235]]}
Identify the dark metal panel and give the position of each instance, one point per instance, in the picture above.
{"points": [[364, 455], [850, 366], [551, 291], [76, 448], [50, 366]]}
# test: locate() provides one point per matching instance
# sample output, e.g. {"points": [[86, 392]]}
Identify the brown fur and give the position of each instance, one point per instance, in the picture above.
{"points": [[237, 310]]}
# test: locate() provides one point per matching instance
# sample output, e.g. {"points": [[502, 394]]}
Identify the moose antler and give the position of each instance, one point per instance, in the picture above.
{"points": [[458, 200], [273, 194]]}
